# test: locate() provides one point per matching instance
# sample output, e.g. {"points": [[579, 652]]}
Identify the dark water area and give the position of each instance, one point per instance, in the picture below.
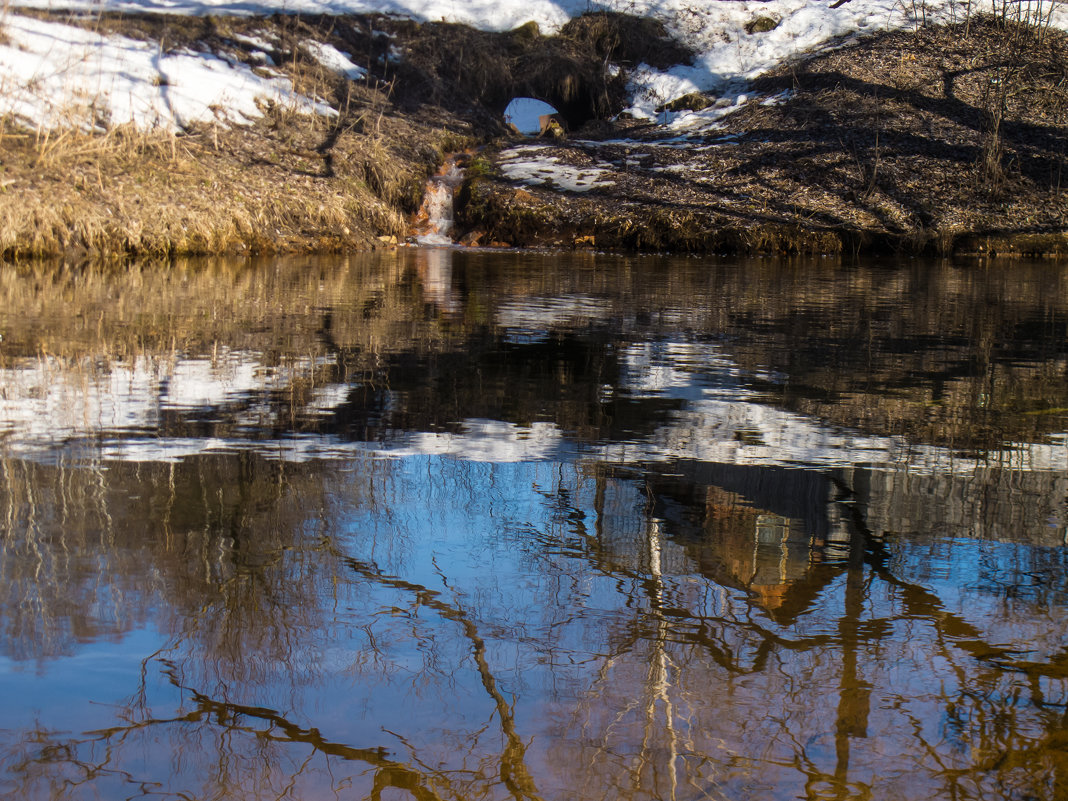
{"points": [[447, 525]]}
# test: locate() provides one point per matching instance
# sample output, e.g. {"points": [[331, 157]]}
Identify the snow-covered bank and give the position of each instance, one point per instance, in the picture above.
{"points": [[58, 75], [49, 71]]}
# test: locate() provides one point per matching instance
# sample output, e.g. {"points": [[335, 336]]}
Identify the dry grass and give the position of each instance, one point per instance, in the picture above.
{"points": [[881, 144], [464, 69], [292, 182], [289, 182], [208, 191], [884, 143], [899, 127], [626, 40]]}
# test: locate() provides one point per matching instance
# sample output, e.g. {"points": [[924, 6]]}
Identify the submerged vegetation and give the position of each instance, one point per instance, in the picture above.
{"points": [[942, 139]]}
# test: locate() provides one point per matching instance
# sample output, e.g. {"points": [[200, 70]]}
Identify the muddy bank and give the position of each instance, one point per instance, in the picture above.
{"points": [[939, 140]]}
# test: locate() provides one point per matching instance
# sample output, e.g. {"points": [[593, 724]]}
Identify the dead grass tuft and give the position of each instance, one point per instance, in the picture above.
{"points": [[288, 182], [461, 68], [293, 182]]}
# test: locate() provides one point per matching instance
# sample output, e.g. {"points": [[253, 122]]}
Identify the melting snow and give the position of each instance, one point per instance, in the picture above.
{"points": [[50, 72], [263, 41], [56, 74], [334, 60], [728, 55], [528, 165]]}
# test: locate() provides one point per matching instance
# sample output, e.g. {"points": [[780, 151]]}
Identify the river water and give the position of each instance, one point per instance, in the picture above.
{"points": [[448, 525]]}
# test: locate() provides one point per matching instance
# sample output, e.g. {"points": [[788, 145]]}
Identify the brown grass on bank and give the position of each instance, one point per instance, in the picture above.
{"points": [[460, 67], [892, 142], [288, 182], [897, 132], [130, 192], [882, 144], [292, 182]]}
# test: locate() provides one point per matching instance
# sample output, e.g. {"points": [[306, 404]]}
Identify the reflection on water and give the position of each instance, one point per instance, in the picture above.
{"points": [[454, 526]]}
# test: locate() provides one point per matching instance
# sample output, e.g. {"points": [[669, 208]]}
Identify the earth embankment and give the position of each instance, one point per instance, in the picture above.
{"points": [[948, 139]]}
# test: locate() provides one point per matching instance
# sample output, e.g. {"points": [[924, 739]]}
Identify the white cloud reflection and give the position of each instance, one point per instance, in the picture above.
{"points": [[48, 406]]}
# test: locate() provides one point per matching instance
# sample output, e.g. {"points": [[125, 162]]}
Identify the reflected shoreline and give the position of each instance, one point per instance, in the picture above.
{"points": [[439, 350]]}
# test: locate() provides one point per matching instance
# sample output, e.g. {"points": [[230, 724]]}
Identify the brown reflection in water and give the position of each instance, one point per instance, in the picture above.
{"points": [[939, 353], [677, 710], [760, 551], [989, 504], [707, 630], [213, 541], [237, 752]]}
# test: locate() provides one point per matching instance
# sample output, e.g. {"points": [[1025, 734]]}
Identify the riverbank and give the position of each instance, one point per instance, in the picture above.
{"points": [[943, 139], [343, 176]]}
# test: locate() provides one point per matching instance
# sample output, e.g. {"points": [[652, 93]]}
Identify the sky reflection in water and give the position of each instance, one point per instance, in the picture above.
{"points": [[456, 526]]}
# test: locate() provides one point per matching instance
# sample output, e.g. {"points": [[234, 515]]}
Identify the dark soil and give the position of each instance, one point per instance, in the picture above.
{"points": [[884, 144]]}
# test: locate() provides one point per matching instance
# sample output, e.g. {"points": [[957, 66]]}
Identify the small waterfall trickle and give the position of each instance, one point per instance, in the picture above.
{"points": [[435, 219]]}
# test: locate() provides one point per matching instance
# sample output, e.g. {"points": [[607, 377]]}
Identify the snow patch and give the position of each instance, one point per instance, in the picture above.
{"points": [[527, 165], [53, 74], [334, 60], [50, 72], [261, 41]]}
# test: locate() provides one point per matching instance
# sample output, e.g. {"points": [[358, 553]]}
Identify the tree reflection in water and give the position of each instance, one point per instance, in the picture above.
{"points": [[544, 540]]}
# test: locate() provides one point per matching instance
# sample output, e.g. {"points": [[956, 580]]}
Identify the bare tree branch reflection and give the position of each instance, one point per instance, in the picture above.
{"points": [[264, 727], [513, 770], [705, 625], [668, 623]]}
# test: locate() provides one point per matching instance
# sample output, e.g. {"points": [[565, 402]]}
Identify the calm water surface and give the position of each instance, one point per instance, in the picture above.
{"points": [[442, 525]]}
